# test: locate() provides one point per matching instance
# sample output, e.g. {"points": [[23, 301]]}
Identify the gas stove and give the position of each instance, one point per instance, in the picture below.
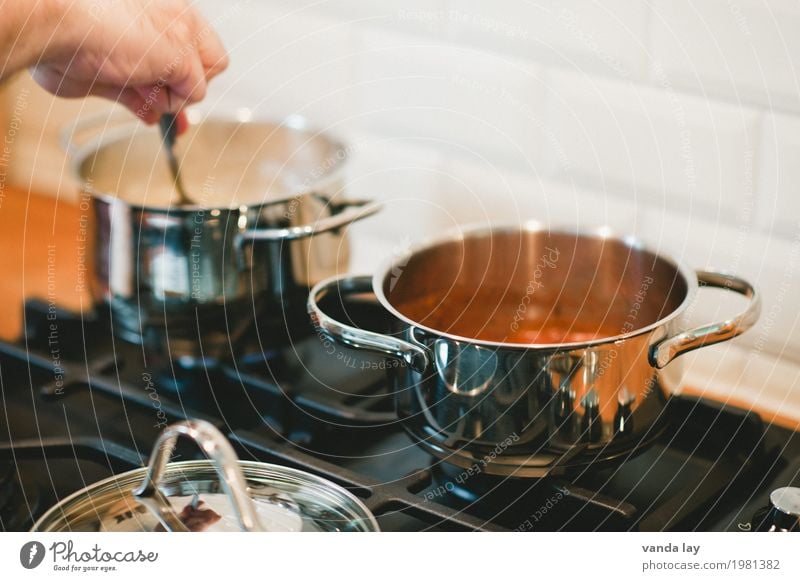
{"points": [[79, 406]]}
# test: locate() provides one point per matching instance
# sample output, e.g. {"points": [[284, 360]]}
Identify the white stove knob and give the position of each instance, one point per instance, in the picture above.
{"points": [[785, 509]]}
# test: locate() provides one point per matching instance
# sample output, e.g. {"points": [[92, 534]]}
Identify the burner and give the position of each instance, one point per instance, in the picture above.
{"points": [[472, 485], [528, 504]]}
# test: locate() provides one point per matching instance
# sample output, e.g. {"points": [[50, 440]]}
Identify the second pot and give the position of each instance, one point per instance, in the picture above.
{"points": [[264, 225], [526, 347]]}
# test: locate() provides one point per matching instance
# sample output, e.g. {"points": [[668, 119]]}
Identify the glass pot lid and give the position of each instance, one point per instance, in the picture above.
{"points": [[218, 494]]}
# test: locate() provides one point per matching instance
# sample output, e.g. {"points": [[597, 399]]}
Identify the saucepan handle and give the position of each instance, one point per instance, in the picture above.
{"points": [[348, 211], [220, 451], [669, 348], [338, 332]]}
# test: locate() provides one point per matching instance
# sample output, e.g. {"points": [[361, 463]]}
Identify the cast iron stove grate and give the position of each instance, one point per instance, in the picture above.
{"points": [[79, 406]]}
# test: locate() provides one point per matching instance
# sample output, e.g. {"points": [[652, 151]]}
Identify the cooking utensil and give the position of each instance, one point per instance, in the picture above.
{"points": [[471, 391], [255, 496], [265, 224], [169, 132]]}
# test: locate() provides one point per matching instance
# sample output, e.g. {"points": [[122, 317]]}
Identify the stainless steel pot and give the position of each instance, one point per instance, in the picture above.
{"points": [[219, 494], [484, 382], [266, 224]]}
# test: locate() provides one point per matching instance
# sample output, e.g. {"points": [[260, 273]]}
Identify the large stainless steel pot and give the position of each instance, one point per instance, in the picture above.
{"points": [[476, 389], [265, 226]]}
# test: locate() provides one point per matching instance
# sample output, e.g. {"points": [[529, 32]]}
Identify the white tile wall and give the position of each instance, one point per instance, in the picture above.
{"points": [[779, 175], [408, 16], [742, 376], [656, 146], [608, 36], [462, 98], [675, 120], [771, 263], [287, 62], [406, 175], [739, 50], [479, 192]]}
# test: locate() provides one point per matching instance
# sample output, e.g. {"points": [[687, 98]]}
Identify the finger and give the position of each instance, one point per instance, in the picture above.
{"points": [[62, 85], [187, 84], [213, 66], [55, 82], [132, 99], [182, 122], [163, 106], [156, 99], [210, 49]]}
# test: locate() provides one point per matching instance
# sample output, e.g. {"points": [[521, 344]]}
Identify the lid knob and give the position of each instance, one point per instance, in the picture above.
{"points": [[220, 451]]}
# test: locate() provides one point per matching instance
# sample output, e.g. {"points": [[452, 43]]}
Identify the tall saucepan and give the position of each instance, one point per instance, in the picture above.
{"points": [[264, 225]]}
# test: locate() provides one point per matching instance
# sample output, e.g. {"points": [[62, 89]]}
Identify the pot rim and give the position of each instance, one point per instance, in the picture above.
{"points": [[129, 480], [114, 132], [460, 233]]}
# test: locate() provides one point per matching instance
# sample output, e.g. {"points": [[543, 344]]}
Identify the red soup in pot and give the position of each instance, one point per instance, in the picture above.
{"points": [[534, 288]]}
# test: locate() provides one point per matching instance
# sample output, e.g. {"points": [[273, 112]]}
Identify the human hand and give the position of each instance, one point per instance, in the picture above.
{"points": [[153, 56]]}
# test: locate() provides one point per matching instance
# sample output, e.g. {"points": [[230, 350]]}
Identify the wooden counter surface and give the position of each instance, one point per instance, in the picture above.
{"points": [[40, 250], [41, 246]]}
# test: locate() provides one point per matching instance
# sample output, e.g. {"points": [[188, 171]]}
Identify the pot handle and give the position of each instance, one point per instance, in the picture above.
{"points": [[218, 449], [327, 326], [669, 348], [352, 211]]}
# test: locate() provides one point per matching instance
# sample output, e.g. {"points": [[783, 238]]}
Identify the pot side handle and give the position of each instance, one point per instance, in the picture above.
{"points": [[220, 451], [353, 210], [344, 334], [667, 349]]}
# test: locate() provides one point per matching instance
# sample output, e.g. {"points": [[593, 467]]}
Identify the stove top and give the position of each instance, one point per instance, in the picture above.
{"points": [[79, 406]]}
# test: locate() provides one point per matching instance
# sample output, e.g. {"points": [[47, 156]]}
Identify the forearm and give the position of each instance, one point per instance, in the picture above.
{"points": [[29, 31]]}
